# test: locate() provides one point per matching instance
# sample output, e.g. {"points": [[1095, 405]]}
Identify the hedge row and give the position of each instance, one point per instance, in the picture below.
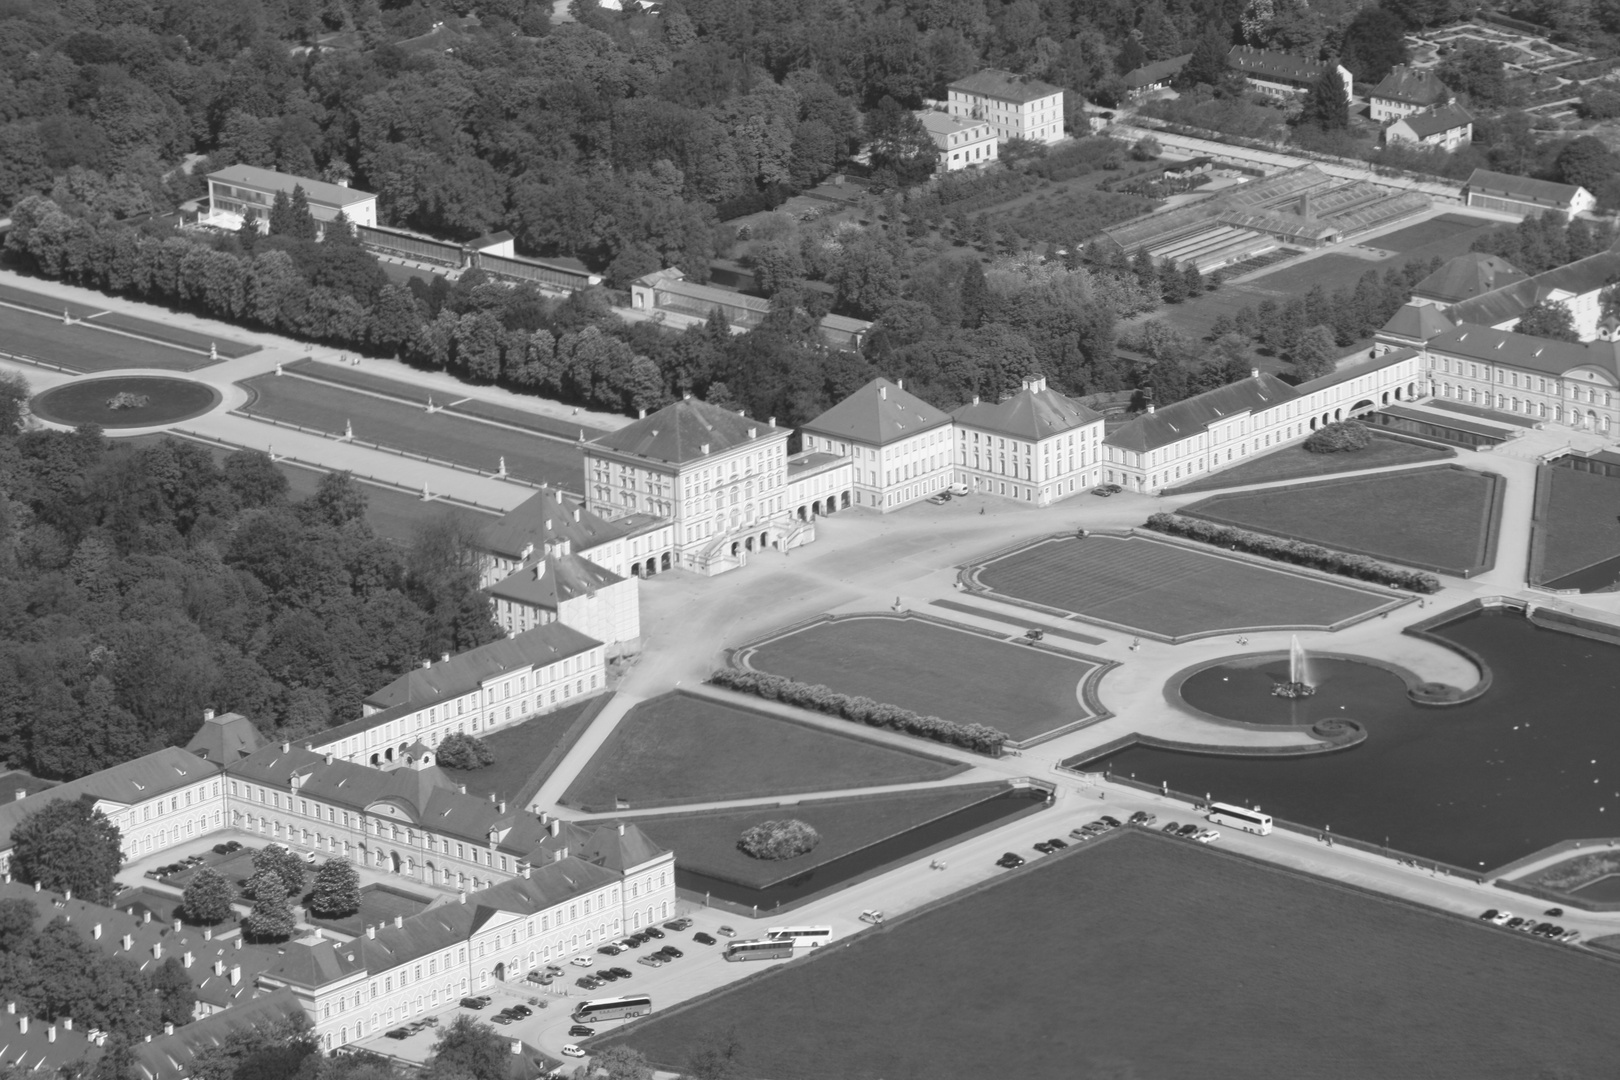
{"points": [[976, 737], [1295, 551]]}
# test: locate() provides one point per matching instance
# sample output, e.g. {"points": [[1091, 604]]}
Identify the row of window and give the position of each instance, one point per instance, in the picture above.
{"points": [[1541, 384]]}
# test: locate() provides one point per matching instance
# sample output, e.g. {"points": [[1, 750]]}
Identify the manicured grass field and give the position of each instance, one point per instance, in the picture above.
{"points": [[684, 748], [1139, 957], [1171, 591], [378, 904], [934, 670], [1441, 518], [81, 348], [392, 424], [526, 753], [707, 842], [98, 316], [1576, 527], [1295, 463], [1437, 231], [85, 401]]}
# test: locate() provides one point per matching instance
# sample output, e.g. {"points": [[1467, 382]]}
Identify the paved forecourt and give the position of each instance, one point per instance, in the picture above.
{"points": [[1164, 589]]}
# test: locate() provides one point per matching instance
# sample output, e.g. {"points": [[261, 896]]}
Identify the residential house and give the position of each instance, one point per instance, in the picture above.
{"points": [[1406, 90], [1447, 127], [1151, 78], [962, 143], [238, 190], [1283, 75], [1015, 106]]}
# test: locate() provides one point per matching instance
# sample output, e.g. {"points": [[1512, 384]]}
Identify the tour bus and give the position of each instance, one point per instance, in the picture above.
{"points": [[769, 949], [1240, 818], [803, 937], [618, 1008]]}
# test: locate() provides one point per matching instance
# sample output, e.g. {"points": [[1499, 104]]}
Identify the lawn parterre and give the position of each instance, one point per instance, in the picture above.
{"points": [[398, 426], [1297, 463], [706, 841], [935, 669], [1576, 528], [80, 347], [378, 905], [1170, 590], [129, 324], [85, 401], [1145, 957], [1442, 519], [526, 752], [682, 747]]}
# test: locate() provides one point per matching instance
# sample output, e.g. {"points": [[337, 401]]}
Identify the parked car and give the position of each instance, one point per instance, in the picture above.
{"points": [[670, 950], [1010, 860], [1106, 490], [653, 931], [586, 982], [958, 489], [1553, 912], [1055, 843], [1171, 827], [555, 970], [1111, 822], [726, 931], [1188, 830], [872, 915], [623, 973], [1044, 848], [1143, 818], [651, 960], [606, 973], [538, 976], [940, 499], [1501, 917], [1208, 836], [520, 1011], [678, 924], [703, 939], [474, 1002], [580, 1031], [572, 1051], [1514, 923], [502, 1018], [611, 950], [398, 1033], [1569, 936], [1490, 915], [582, 961]]}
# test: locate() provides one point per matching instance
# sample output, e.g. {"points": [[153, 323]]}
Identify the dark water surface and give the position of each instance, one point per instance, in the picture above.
{"points": [[1534, 761]]}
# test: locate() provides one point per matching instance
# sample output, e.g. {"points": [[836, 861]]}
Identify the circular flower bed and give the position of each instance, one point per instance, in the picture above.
{"points": [[778, 839], [125, 401]]}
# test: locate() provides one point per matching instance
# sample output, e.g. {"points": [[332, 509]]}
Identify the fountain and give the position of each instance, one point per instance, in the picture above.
{"points": [[1298, 684]]}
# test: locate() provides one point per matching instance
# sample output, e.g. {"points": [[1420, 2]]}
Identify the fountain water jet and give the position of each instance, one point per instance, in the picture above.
{"points": [[1298, 684]]}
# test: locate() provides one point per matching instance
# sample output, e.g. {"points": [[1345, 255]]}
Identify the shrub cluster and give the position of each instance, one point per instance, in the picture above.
{"points": [[1346, 436], [786, 839], [976, 737], [461, 751], [1297, 552]]}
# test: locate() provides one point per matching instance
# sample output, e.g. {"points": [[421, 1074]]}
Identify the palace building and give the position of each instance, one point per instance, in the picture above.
{"points": [[1036, 446], [900, 445]]}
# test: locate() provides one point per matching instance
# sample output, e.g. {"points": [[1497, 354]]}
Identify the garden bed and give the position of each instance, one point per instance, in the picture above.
{"points": [[1297, 463]]}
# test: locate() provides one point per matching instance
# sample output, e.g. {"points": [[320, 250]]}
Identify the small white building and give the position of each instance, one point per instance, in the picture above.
{"points": [[235, 191], [1404, 91], [1283, 75], [900, 445], [1036, 446], [1524, 196], [1445, 127], [963, 144], [1015, 106]]}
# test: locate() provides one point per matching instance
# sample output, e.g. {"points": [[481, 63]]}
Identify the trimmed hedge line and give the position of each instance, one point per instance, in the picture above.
{"points": [[786, 839], [1294, 551], [1346, 436], [979, 738]]}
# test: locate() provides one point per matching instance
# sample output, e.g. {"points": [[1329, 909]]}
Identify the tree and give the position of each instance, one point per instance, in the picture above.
{"points": [[1548, 319], [271, 918], [287, 865], [16, 924], [462, 751], [254, 478], [1147, 148], [621, 1063], [899, 142], [715, 1057], [1475, 68], [14, 395], [176, 996], [1326, 106], [1373, 43], [208, 897], [338, 500], [1586, 161], [1207, 66], [300, 222], [69, 844], [336, 894], [469, 1049], [1313, 355]]}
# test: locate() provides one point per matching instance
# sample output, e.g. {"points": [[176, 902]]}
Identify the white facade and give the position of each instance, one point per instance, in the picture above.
{"points": [[1037, 447], [1013, 106], [238, 190], [962, 144]]}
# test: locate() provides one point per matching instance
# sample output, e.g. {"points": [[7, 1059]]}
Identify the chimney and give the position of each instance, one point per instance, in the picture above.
{"points": [[540, 570], [238, 942], [557, 856], [20, 794], [286, 748], [517, 1046], [50, 1033], [96, 933], [219, 967], [177, 926], [22, 1023], [67, 1023], [643, 415], [1150, 408], [1254, 373], [686, 395], [236, 974], [576, 515], [492, 798], [1305, 204], [502, 805], [129, 942], [526, 869], [705, 449], [146, 917], [556, 827], [545, 819], [208, 933], [883, 393], [975, 399], [36, 886], [329, 757], [462, 896], [621, 828], [427, 663], [168, 1029], [399, 922], [208, 714], [463, 788], [157, 950], [188, 958], [548, 524], [444, 656], [371, 932]]}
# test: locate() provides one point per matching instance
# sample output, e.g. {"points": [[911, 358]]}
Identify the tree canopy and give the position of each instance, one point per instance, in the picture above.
{"points": [[68, 845]]}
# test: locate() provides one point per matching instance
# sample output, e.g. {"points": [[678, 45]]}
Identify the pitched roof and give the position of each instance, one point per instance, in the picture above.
{"points": [[678, 432], [1512, 299], [560, 578], [1416, 322], [879, 413], [317, 191], [1156, 72], [224, 739], [1276, 65], [549, 516], [171, 1056], [1437, 120], [131, 782], [1411, 86], [943, 125], [465, 672], [1004, 86], [1511, 349], [1522, 188], [1033, 413], [1192, 415], [1466, 276], [1346, 372]]}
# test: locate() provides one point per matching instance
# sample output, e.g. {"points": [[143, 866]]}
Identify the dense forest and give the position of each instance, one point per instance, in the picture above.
{"points": [[140, 586]]}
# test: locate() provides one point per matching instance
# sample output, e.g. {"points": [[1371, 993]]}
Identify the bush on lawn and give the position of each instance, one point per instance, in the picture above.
{"points": [[1346, 436], [786, 839], [1297, 552], [462, 751], [979, 738]]}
